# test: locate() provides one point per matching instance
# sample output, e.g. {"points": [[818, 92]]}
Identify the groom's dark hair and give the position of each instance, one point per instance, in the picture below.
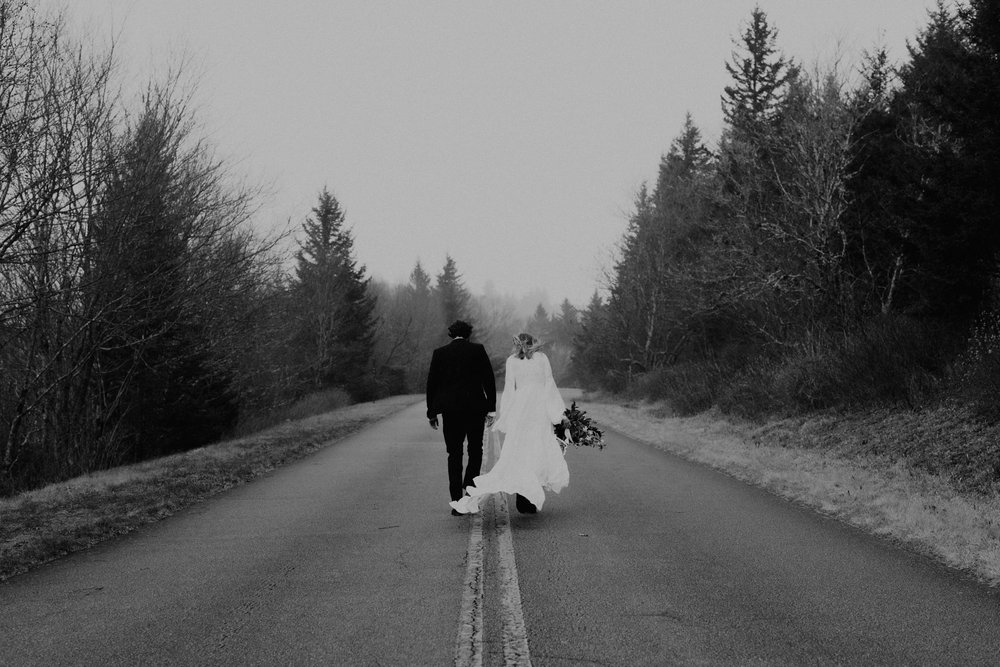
{"points": [[460, 329]]}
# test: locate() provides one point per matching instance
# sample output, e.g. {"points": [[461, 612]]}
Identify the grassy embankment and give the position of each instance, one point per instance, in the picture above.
{"points": [[41, 525], [926, 479]]}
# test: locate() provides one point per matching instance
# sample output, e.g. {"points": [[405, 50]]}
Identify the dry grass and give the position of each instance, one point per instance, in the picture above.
{"points": [[45, 524], [884, 472], [310, 405]]}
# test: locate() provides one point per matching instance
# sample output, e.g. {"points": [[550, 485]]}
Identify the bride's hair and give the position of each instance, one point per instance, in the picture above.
{"points": [[524, 346]]}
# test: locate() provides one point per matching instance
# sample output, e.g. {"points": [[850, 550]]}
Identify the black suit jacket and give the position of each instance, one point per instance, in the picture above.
{"points": [[460, 380]]}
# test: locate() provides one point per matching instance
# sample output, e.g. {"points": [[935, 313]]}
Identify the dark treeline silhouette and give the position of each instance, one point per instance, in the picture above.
{"points": [[139, 314], [838, 248]]}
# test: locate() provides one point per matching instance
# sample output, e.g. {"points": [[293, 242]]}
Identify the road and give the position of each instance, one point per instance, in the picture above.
{"points": [[351, 557]]}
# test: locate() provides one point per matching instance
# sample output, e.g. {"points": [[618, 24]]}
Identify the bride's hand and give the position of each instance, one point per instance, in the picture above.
{"points": [[566, 429]]}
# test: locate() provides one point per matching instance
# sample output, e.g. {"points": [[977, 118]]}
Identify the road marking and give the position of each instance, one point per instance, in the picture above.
{"points": [[471, 621], [515, 636], [469, 647]]}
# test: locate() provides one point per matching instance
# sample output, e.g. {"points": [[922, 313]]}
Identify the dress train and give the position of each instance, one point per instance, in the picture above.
{"points": [[531, 459]]}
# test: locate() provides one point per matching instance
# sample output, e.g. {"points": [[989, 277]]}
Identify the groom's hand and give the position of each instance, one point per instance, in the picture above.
{"points": [[433, 422], [490, 418]]}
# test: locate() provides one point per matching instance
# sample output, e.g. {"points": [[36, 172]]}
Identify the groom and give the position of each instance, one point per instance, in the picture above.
{"points": [[461, 388]]}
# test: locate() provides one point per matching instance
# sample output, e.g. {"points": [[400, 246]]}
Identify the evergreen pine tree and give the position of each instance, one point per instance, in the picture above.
{"points": [[595, 349], [156, 373], [687, 157], [680, 195], [760, 76], [540, 325], [454, 298], [562, 330], [425, 328], [949, 130], [337, 309], [420, 282]]}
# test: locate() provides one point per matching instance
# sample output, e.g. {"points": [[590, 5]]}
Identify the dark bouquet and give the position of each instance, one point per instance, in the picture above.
{"points": [[581, 430]]}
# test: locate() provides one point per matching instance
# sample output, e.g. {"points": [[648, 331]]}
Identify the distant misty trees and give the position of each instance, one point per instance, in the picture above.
{"points": [[414, 317], [837, 247]]}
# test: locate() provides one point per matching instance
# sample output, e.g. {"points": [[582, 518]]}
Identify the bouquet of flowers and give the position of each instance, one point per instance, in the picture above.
{"points": [[581, 430]]}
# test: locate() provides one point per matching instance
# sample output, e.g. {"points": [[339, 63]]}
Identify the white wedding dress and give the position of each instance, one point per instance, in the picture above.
{"points": [[531, 459]]}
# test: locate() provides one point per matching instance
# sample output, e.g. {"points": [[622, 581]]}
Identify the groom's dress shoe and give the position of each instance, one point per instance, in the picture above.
{"points": [[455, 512]]}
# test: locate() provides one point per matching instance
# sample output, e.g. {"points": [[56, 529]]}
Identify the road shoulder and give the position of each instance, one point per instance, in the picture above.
{"points": [[919, 510], [45, 524]]}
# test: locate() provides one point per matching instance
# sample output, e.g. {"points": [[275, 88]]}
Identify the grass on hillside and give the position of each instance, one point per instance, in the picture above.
{"points": [[41, 525], [310, 405], [925, 479]]}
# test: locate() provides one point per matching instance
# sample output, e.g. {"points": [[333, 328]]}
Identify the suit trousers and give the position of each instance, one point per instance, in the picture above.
{"points": [[459, 427]]}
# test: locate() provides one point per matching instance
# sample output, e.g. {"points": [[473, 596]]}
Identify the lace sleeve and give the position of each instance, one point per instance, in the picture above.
{"points": [[554, 404]]}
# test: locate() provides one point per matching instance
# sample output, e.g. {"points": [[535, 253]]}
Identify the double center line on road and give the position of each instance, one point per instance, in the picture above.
{"points": [[471, 625], [469, 646]]}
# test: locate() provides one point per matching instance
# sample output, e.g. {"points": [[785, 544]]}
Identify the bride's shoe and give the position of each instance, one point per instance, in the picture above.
{"points": [[525, 506], [466, 505]]}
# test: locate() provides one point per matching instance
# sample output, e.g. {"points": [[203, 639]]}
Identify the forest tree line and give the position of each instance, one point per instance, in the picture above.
{"points": [[141, 314], [838, 247]]}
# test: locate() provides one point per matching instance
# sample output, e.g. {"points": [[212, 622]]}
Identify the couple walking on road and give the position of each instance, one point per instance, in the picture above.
{"points": [[461, 389]]}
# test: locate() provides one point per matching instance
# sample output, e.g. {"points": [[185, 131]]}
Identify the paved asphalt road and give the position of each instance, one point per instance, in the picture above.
{"points": [[351, 557]]}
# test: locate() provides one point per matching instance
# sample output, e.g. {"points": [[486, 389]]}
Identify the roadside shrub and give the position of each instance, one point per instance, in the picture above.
{"points": [[391, 382], [367, 388], [894, 360], [689, 387], [975, 377], [318, 403], [807, 378], [749, 392], [891, 360], [312, 404]]}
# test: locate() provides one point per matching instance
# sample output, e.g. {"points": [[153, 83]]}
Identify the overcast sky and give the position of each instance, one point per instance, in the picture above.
{"points": [[512, 135]]}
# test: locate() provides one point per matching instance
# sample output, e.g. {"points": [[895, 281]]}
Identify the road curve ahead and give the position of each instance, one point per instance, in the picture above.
{"points": [[350, 557]]}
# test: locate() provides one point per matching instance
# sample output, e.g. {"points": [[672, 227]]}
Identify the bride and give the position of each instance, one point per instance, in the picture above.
{"points": [[531, 459]]}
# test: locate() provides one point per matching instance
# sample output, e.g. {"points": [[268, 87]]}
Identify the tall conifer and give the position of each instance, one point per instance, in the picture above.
{"points": [[760, 76], [454, 298], [337, 308]]}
